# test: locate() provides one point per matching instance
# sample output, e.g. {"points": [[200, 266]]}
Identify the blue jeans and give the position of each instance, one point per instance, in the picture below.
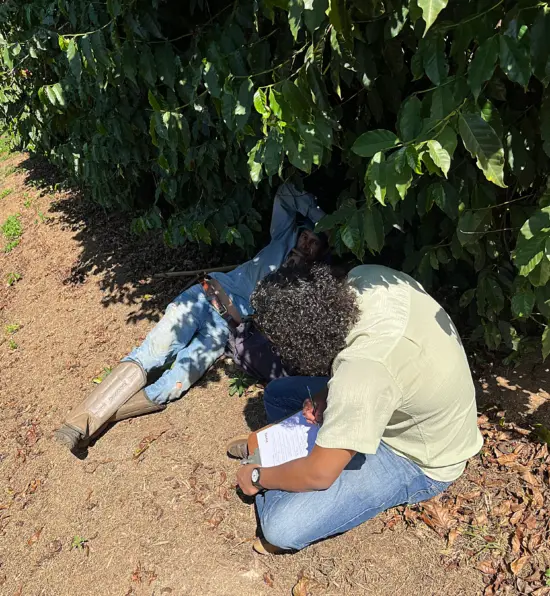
{"points": [[368, 485], [191, 336]]}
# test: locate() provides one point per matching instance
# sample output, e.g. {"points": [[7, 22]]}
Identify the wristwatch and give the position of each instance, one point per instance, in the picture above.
{"points": [[255, 478]]}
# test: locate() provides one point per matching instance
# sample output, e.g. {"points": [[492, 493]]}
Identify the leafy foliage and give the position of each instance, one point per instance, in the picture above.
{"points": [[431, 118]]}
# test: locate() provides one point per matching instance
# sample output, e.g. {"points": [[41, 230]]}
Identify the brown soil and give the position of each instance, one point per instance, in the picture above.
{"points": [[152, 509]]}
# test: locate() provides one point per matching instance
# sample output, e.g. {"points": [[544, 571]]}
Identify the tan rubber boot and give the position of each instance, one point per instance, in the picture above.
{"points": [[238, 447], [102, 403], [137, 405]]}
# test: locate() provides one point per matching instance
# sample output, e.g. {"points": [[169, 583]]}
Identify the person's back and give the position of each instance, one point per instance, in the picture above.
{"points": [[406, 332]]}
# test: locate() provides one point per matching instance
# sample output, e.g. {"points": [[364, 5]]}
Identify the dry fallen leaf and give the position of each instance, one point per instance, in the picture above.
{"points": [[300, 589], [529, 478], [534, 541], [34, 538], [506, 459], [502, 509], [516, 541], [517, 565], [437, 517], [530, 522], [538, 499], [268, 579], [453, 535], [146, 442], [515, 518], [487, 567]]}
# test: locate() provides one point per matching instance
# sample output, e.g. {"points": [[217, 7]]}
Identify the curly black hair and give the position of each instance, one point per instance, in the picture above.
{"points": [[307, 312]]}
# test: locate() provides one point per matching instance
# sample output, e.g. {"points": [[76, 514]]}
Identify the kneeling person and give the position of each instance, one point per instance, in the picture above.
{"points": [[398, 412]]}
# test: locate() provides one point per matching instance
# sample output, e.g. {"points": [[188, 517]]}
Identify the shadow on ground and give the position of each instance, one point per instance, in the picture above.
{"points": [[517, 395], [122, 263]]}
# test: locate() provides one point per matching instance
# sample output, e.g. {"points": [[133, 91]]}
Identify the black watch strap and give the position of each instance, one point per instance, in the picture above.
{"points": [[257, 483]]}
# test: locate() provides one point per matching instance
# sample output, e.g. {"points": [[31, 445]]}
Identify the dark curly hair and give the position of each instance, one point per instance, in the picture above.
{"points": [[307, 312]]}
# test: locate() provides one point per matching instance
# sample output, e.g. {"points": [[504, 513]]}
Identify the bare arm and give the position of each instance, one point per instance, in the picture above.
{"points": [[317, 471], [289, 201]]}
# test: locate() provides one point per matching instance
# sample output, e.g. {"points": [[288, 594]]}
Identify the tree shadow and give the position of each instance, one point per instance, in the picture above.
{"points": [[121, 262], [516, 395]]}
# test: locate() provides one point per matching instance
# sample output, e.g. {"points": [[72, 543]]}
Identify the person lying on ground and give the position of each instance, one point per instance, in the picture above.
{"points": [[195, 328], [398, 414]]}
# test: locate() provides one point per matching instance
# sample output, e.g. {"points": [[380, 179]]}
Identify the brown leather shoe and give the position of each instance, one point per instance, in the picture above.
{"points": [[262, 547], [238, 447]]}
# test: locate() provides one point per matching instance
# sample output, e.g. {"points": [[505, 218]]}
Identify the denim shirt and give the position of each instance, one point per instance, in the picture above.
{"points": [[289, 201]]}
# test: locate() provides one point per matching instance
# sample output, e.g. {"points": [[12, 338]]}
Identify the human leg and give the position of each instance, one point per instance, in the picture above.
{"points": [[181, 320], [123, 387], [284, 397], [369, 485], [192, 361]]}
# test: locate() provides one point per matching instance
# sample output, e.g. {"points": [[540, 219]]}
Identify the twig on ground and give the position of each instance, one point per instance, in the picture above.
{"points": [[196, 272]]}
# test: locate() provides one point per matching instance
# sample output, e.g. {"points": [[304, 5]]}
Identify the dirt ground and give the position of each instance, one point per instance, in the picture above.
{"points": [[152, 509]]}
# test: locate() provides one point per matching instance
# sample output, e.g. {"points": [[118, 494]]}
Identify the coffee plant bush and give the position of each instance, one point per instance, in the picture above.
{"points": [[430, 119]]}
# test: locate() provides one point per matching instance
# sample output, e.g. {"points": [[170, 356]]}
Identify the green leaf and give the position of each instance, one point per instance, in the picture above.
{"points": [[448, 140], [467, 297], [314, 13], [471, 227], [100, 51], [244, 103], [274, 103], [295, 100], [540, 275], [273, 152], [339, 18], [439, 156], [532, 241], [63, 43], [165, 60], [75, 64], [254, 166], [482, 142], [260, 103], [295, 9], [515, 60], [351, 235], [523, 303], [153, 101], [545, 122], [545, 342], [86, 47], [114, 8], [373, 229], [147, 67], [317, 86], [298, 151], [540, 45], [409, 120], [376, 177], [210, 78], [483, 64], [59, 96], [228, 109], [430, 11], [374, 141], [435, 61], [489, 295], [129, 62]]}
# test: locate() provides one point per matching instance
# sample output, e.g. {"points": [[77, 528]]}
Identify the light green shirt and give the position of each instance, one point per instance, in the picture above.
{"points": [[403, 378]]}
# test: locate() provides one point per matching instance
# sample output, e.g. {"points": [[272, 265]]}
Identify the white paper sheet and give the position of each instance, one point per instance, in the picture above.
{"points": [[290, 439]]}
